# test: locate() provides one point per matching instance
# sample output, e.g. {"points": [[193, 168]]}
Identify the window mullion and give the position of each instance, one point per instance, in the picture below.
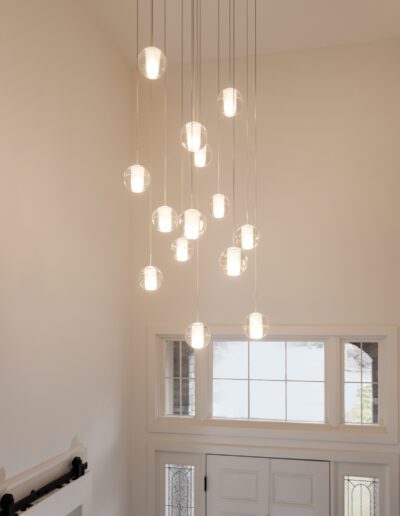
{"points": [[333, 381]]}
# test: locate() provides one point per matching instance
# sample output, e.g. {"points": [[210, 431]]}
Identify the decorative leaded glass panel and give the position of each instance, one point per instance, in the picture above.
{"points": [[179, 490], [361, 496]]}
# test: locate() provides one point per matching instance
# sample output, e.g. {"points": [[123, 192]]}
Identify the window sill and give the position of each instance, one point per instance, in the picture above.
{"points": [[272, 429]]}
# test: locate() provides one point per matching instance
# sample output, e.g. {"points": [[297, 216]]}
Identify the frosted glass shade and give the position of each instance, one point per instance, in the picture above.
{"points": [[150, 278], [182, 249], [198, 335], [137, 178], [256, 326], [230, 102], [152, 63], [219, 206], [193, 136], [202, 157], [247, 237], [193, 224], [165, 219], [233, 261]]}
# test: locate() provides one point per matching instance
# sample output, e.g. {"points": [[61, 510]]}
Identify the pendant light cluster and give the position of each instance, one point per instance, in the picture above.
{"points": [[191, 222]]}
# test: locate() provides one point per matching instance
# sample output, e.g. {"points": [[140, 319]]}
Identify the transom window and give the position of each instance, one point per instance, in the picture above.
{"points": [[179, 379], [268, 380], [361, 382]]}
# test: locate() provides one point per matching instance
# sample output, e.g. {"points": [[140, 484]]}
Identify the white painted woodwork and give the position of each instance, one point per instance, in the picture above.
{"points": [[299, 488], [254, 486], [237, 486]]}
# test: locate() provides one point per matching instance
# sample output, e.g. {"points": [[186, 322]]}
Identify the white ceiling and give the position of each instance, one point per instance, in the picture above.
{"points": [[282, 24]]}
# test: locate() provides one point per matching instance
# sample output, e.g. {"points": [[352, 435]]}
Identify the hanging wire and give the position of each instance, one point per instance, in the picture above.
{"points": [[197, 283], [152, 22], [247, 112], [233, 125], [150, 188], [192, 60], [181, 150], [137, 82], [255, 151], [219, 115], [165, 107]]}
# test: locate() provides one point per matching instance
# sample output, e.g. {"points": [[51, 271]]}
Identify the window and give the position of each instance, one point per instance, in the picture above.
{"points": [[361, 496], [281, 381], [179, 379], [179, 490], [361, 382]]}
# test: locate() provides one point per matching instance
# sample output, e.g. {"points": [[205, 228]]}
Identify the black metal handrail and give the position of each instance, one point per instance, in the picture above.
{"points": [[9, 507]]}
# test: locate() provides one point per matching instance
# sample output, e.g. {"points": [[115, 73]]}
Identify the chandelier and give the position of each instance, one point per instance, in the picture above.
{"points": [[191, 223]]}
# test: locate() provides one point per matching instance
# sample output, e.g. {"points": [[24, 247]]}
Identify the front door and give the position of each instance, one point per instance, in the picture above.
{"points": [[252, 486]]}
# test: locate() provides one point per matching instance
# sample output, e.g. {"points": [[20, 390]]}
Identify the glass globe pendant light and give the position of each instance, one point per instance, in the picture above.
{"points": [[193, 224], [219, 206], [137, 178], [230, 102], [182, 249], [197, 335], [165, 219], [193, 136], [233, 261], [152, 63], [150, 278], [247, 237], [256, 326], [202, 158]]}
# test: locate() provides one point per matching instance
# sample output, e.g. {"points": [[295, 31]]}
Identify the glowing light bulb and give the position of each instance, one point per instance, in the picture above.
{"points": [[256, 326], [202, 157], [198, 335], [152, 63], [247, 237], [182, 249], [165, 219], [193, 224], [233, 261], [193, 136], [137, 178], [219, 206], [150, 278], [230, 101]]}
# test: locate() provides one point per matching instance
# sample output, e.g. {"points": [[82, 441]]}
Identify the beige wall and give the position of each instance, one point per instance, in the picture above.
{"points": [[66, 136], [329, 211]]}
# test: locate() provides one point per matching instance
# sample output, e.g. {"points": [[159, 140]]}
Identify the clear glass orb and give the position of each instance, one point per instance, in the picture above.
{"points": [[198, 335], [165, 219], [194, 136], [182, 249], [202, 158], [219, 206], [152, 63], [233, 261], [247, 237], [256, 326], [137, 178], [230, 102], [193, 224], [150, 278]]}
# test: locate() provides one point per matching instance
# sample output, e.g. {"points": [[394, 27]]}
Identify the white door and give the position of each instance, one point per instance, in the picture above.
{"points": [[299, 488], [236, 486], [249, 486]]}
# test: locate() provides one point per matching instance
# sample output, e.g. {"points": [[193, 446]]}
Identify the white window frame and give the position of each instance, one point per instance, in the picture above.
{"points": [[184, 459], [334, 429]]}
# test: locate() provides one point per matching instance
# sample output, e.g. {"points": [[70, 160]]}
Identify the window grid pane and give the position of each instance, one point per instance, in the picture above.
{"points": [[179, 490], [361, 496], [361, 383], [263, 393], [179, 379]]}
